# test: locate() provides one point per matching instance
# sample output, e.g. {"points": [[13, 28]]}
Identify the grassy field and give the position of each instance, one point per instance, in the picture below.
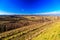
{"points": [[52, 33], [29, 28]]}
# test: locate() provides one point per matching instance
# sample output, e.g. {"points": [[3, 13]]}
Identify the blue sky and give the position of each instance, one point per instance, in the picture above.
{"points": [[29, 6]]}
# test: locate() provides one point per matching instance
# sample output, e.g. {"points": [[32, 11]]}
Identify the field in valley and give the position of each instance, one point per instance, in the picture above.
{"points": [[29, 27]]}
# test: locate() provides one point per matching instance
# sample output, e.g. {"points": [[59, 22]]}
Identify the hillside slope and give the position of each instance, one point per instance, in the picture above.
{"points": [[52, 33]]}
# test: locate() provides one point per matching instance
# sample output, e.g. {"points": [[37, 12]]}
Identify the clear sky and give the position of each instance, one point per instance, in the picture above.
{"points": [[29, 6]]}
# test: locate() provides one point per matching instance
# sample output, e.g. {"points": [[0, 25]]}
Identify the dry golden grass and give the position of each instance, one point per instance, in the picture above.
{"points": [[52, 33], [29, 32]]}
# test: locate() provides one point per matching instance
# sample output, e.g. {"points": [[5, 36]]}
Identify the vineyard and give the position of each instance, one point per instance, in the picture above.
{"points": [[26, 27]]}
